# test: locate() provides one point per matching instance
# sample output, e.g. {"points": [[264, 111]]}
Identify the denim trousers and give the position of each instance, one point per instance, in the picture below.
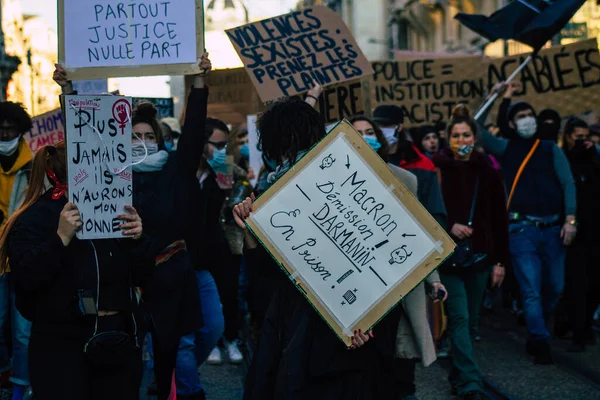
{"points": [[538, 260], [195, 347], [20, 330]]}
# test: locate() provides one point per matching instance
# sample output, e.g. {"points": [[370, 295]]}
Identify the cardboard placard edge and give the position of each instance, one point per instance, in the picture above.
{"points": [[419, 273]]}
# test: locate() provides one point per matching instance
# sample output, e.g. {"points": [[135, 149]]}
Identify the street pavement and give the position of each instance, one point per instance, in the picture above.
{"points": [[502, 358]]}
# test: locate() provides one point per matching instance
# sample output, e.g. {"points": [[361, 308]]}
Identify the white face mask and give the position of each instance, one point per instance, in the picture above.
{"points": [[527, 127], [9, 148], [390, 135], [138, 151]]}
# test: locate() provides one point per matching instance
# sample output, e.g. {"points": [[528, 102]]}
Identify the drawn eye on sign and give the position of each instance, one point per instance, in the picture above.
{"points": [[400, 255], [327, 162]]}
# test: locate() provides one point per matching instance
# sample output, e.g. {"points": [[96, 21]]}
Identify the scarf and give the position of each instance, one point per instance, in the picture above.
{"points": [[152, 163], [283, 168], [59, 187]]}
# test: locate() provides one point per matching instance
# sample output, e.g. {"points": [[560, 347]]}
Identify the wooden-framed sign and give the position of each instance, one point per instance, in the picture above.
{"points": [[98, 161], [104, 38], [283, 55], [350, 235]]}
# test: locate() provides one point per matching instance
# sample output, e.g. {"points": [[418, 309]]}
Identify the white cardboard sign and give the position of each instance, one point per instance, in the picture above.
{"points": [[344, 233], [98, 149]]}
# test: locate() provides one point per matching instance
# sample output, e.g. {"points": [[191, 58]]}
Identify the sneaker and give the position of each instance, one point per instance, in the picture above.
{"points": [[214, 358], [234, 353], [542, 353]]}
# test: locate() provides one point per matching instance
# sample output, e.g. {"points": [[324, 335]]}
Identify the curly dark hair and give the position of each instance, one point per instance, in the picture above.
{"points": [[15, 113], [288, 127]]}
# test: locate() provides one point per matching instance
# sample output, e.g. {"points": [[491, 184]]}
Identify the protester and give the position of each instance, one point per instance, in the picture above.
{"points": [[549, 125], [427, 140], [15, 167], [582, 288], [69, 358], [298, 356], [474, 196], [165, 191], [217, 253], [414, 340], [403, 153], [171, 131], [541, 193]]}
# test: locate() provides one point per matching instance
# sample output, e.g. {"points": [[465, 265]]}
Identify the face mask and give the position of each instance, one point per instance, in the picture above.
{"points": [[373, 142], [527, 127], [218, 159], [138, 152], [462, 150], [245, 151], [9, 148], [390, 135], [169, 146]]}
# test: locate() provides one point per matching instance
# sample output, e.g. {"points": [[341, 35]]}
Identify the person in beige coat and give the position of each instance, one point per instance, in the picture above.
{"points": [[414, 339]]}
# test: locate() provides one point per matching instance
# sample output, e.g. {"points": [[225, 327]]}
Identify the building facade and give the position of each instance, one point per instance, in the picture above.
{"points": [[30, 39]]}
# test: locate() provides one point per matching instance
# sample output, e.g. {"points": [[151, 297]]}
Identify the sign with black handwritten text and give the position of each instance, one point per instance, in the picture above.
{"points": [[285, 54], [428, 89], [563, 78], [105, 38], [98, 152], [353, 239], [47, 129]]}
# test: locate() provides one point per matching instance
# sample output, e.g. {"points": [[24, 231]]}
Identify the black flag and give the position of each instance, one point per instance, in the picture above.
{"points": [[532, 22]]}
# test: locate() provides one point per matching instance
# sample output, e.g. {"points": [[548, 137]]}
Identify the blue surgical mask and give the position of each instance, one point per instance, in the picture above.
{"points": [[373, 142], [169, 146], [218, 159], [245, 151]]}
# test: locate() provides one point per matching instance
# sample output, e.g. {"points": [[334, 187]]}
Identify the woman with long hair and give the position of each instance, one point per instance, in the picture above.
{"points": [[298, 356], [475, 200], [79, 294], [165, 192]]}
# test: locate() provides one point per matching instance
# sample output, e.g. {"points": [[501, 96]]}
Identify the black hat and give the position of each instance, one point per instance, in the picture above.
{"points": [[388, 115], [517, 107]]}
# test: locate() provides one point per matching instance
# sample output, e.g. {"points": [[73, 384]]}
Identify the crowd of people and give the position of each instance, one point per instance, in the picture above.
{"points": [[75, 314]]}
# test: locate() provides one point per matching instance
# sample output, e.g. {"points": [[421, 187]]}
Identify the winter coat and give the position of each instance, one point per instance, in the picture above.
{"points": [[414, 339]]}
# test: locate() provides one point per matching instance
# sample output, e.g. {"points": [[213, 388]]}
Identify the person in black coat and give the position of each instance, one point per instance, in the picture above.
{"points": [[164, 192], [298, 356], [54, 274]]}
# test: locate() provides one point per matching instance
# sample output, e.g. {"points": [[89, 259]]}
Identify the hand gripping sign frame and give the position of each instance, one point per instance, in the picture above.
{"points": [[130, 70], [350, 288]]}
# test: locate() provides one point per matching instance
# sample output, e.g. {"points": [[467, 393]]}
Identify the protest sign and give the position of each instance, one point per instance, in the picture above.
{"points": [[98, 152], [428, 89], [47, 129], [164, 105], [104, 38], [91, 86], [353, 238], [233, 98], [563, 78], [256, 161], [285, 54]]}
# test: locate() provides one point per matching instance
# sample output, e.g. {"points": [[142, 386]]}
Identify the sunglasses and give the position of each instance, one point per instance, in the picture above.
{"points": [[218, 145]]}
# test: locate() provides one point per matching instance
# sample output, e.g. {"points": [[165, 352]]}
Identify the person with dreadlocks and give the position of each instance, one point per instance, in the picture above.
{"points": [[165, 191], [298, 356], [15, 165], [74, 291]]}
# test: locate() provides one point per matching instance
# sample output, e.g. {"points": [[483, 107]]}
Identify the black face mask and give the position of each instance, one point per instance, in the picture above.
{"points": [[581, 153], [548, 132]]}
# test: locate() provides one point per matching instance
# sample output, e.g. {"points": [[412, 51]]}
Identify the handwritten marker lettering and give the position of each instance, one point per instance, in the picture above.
{"points": [[347, 274]]}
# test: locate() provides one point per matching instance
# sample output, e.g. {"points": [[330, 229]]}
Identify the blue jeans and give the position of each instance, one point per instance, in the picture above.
{"points": [[21, 329], [538, 259], [195, 347]]}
